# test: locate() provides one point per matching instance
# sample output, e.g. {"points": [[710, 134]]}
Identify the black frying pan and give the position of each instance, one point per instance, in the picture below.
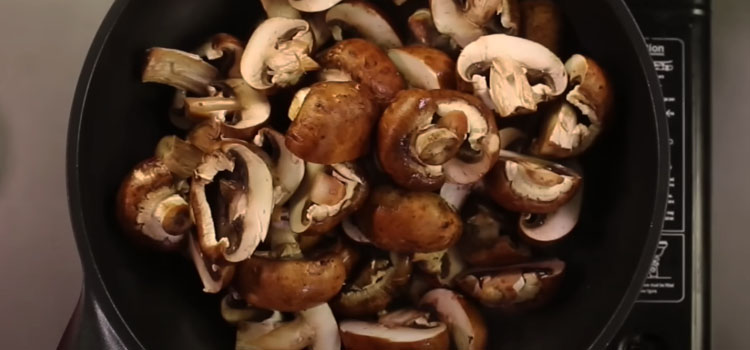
{"points": [[134, 299]]}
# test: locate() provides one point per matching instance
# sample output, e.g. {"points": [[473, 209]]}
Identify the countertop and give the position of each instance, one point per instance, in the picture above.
{"points": [[44, 43]]}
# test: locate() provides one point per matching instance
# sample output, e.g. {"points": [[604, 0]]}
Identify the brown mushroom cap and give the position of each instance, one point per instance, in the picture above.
{"points": [[530, 185], [150, 183], [290, 285], [334, 123], [425, 67], [592, 89], [360, 335], [374, 288], [514, 288], [368, 65], [542, 22], [409, 222]]}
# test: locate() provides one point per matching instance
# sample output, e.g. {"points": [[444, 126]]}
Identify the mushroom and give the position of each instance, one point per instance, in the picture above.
{"points": [[374, 288], [277, 53], [287, 169], [151, 207], [226, 48], [428, 137], [364, 18], [319, 28], [235, 310], [313, 5], [326, 196], [368, 65], [455, 194], [237, 105], [409, 222], [450, 20], [179, 69], [442, 267], [544, 229], [514, 64], [299, 281], [542, 22], [464, 321], [232, 220], [513, 139], [215, 274], [514, 288], [327, 109], [486, 241], [280, 8], [314, 329], [406, 330], [179, 156], [530, 185], [353, 232], [423, 31], [424, 67]]}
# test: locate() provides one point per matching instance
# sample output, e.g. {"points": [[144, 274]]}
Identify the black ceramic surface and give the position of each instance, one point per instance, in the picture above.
{"points": [[137, 299]]}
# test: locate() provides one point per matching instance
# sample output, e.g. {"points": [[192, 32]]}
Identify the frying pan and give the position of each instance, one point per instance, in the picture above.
{"points": [[136, 299]]}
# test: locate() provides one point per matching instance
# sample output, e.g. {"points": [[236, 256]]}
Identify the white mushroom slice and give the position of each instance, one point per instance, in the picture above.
{"points": [[367, 20], [455, 194], [510, 90], [288, 169], [248, 208], [303, 211], [319, 28], [535, 182], [182, 70], [313, 5], [294, 335], [466, 325], [450, 20], [547, 228], [326, 328], [509, 136], [278, 53], [250, 330], [360, 332], [516, 59], [213, 276], [562, 135], [280, 8], [479, 12], [243, 109], [234, 310], [352, 231]]}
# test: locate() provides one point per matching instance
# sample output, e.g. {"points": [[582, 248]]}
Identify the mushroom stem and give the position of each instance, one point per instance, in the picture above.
{"points": [[294, 335], [175, 214], [179, 69], [208, 107], [436, 146], [179, 156]]}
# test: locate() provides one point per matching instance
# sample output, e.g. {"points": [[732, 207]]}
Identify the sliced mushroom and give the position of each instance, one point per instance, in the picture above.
{"points": [[415, 332], [455, 194], [179, 156], [514, 288], [280, 8], [314, 329], [530, 185], [182, 70], [320, 213], [374, 288], [318, 26], [353, 232], [522, 73], [486, 241], [364, 18], [287, 169], [542, 22], [368, 65], [450, 20], [313, 5], [460, 146], [235, 310], [464, 321], [277, 53], [424, 67], [513, 139], [442, 266], [544, 229], [409, 222], [299, 282], [215, 274], [237, 105], [235, 218], [423, 31], [328, 109], [151, 207], [227, 50]]}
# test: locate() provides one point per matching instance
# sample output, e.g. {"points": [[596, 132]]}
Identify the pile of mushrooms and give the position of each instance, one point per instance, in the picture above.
{"points": [[348, 185]]}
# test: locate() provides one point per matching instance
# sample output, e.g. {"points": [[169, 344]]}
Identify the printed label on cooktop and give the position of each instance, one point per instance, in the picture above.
{"points": [[668, 55], [665, 282]]}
